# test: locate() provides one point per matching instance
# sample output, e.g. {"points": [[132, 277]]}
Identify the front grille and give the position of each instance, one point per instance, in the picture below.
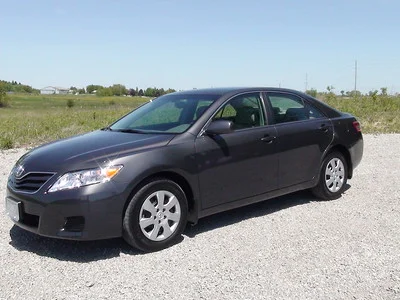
{"points": [[29, 183]]}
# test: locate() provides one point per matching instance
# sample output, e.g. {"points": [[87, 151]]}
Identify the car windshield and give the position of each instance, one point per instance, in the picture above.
{"points": [[172, 113]]}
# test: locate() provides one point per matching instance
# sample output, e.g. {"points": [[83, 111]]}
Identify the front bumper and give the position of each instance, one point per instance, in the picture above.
{"points": [[87, 213]]}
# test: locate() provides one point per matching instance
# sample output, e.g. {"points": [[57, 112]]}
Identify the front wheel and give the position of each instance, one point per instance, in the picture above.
{"points": [[156, 216], [333, 177]]}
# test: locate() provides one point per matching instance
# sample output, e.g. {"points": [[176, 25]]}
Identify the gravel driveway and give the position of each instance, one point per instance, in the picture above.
{"points": [[292, 247]]}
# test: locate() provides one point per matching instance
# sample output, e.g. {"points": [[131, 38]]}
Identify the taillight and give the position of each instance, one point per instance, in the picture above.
{"points": [[357, 126]]}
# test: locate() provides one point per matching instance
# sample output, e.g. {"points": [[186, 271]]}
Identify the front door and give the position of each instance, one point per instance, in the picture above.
{"points": [[241, 164]]}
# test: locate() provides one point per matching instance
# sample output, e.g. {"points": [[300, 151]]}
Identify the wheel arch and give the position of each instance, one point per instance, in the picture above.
{"points": [[179, 180], [345, 152]]}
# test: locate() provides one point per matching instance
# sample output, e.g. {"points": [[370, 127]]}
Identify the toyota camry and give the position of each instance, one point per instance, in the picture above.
{"points": [[181, 157]]}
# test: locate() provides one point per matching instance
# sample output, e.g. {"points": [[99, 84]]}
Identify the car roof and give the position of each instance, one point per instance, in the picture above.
{"points": [[229, 90]]}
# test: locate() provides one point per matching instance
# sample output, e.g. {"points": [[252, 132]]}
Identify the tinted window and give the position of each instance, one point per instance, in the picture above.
{"points": [[244, 111], [202, 106], [168, 112], [173, 113], [314, 113], [291, 108]]}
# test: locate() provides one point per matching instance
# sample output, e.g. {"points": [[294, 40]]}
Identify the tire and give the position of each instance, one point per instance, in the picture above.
{"points": [[156, 216], [333, 177]]}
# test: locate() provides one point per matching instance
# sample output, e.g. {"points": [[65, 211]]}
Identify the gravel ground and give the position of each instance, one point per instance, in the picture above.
{"points": [[292, 247]]}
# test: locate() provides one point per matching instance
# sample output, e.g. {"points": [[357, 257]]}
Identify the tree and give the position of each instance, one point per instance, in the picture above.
{"points": [[156, 92], [82, 91], [312, 92], [149, 92], [103, 91], [342, 93], [118, 90], [330, 88], [384, 91], [170, 91], [16, 87], [330, 95], [132, 92], [140, 93], [92, 87]]}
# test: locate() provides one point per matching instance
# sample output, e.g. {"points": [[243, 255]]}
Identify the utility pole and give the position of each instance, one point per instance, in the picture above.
{"points": [[355, 78], [306, 83]]}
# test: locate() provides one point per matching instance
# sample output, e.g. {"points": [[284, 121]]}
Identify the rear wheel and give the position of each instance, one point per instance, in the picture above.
{"points": [[333, 177], [156, 216]]}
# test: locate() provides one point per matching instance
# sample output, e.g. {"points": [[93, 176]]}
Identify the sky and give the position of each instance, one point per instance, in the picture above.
{"points": [[185, 44]]}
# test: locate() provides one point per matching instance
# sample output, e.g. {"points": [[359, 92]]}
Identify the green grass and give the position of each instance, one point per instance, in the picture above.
{"points": [[379, 115], [31, 120]]}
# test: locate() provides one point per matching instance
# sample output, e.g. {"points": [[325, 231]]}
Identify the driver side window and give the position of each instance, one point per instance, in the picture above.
{"points": [[245, 111]]}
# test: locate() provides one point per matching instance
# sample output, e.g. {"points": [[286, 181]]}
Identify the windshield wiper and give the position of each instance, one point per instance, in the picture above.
{"points": [[108, 128], [129, 130]]}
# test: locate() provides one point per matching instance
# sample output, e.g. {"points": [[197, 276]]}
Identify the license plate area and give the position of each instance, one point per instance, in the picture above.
{"points": [[13, 209]]}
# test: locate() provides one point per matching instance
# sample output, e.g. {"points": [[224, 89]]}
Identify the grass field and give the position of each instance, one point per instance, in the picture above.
{"points": [[34, 119], [377, 115]]}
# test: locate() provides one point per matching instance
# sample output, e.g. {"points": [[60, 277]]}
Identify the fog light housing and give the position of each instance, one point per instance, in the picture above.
{"points": [[74, 224]]}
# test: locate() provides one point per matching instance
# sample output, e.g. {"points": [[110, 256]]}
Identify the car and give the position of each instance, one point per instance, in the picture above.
{"points": [[181, 157]]}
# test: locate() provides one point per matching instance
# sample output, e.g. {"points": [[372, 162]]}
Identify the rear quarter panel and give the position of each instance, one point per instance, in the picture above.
{"points": [[346, 135]]}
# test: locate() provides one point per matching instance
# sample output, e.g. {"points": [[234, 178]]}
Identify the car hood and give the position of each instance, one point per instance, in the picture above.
{"points": [[89, 150]]}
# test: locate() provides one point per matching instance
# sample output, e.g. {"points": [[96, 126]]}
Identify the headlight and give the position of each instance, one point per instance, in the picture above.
{"points": [[74, 180]]}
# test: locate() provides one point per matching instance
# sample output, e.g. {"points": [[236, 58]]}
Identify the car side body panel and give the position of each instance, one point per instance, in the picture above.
{"points": [[347, 137], [300, 145], [236, 165]]}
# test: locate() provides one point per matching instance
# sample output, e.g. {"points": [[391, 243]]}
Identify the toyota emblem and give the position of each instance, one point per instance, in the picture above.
{"points": [[19, 170]]}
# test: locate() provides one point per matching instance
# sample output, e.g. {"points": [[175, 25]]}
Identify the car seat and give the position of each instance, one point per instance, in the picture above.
{"points": [[246, 117], [295, 114]]}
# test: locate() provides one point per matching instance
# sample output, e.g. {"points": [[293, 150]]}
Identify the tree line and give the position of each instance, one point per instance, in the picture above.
{"points": [[330, 92], [113, 90], [121, 90], [16, 87]]}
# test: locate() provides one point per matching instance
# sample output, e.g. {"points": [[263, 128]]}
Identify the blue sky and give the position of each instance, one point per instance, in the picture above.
{"points": [[185, 44]]}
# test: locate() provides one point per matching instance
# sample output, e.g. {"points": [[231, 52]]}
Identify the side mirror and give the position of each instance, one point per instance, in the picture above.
{"points": [[219, 127]]}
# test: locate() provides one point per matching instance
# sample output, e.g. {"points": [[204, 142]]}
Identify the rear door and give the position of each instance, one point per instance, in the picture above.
{"points": [[240, 164], [304, 133]]}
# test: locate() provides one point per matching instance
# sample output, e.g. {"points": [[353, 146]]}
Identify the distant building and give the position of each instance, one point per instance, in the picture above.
{"points": [[49, 90]]}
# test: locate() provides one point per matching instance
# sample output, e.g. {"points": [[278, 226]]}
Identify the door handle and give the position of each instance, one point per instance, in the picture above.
{"points": [[268, 139], [323, 128]]}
